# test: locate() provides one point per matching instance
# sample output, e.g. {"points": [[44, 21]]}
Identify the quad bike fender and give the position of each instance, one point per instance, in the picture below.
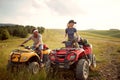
{"points": [[24, 57], [79, 54], [47, 51], [88, 49]]}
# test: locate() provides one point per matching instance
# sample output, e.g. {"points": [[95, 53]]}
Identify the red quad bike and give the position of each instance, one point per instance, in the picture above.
{"points": [[79, 60]]}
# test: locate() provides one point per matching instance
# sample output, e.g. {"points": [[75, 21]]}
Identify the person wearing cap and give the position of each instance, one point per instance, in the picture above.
{"points": [[38, 43], [71, 31]]}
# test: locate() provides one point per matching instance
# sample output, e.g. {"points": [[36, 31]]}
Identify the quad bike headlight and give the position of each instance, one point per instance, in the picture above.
{"points": [[71, 57], [52, 55], [24, 58]]}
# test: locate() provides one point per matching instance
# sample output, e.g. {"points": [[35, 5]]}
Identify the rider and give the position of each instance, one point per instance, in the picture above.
{"points": [[38, 43], [70, 31]]}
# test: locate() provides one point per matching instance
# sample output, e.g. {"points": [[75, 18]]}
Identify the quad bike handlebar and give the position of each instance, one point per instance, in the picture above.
{"points": [[64, 42], [67, 43], [22, 45], [26, 47]]}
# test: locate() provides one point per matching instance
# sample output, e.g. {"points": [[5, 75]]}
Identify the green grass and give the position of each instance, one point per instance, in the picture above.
{"points": [[103, 43], [112, 33]]}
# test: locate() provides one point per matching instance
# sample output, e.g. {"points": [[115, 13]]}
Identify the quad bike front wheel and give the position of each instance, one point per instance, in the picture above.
{"points": [[34, 67], [82, 70], [9, 67], [52, 71]]}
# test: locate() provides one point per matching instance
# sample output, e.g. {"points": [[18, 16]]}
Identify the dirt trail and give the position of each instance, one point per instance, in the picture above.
{"points": [[111, 69]]}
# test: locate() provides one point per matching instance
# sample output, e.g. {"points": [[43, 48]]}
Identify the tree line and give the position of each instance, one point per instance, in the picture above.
{"points": [[18, 31]]}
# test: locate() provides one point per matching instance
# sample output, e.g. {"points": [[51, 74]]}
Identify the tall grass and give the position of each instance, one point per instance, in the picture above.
{"points": [[102, 44]]}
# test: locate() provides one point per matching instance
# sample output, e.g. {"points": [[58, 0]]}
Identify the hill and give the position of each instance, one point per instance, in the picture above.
{"points": [[105, 47], [7, 24], [112, 33]]}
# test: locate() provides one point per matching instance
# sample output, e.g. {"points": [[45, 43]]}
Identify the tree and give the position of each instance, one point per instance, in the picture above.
{"points": [[20, 31], [29, 28], [114, 29], [4, 34], [17, 30], [41, 29]]}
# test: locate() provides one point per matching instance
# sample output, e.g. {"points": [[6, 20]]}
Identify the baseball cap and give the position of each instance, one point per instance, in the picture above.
{"points": [[72, 21]]}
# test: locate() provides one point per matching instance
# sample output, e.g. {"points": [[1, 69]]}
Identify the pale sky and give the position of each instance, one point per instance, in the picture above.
{"points": [[89, 14]]}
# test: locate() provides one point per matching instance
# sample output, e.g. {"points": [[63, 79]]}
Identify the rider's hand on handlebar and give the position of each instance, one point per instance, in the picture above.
{"points": [[63, 41], [21, 45]]}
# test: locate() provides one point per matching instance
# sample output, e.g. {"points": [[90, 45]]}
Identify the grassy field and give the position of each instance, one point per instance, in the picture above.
{"points": [[111, 33], [106, 47]]}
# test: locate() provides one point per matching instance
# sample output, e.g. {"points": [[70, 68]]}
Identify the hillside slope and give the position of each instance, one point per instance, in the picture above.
{"points": [[106, 49], [112, 33]]}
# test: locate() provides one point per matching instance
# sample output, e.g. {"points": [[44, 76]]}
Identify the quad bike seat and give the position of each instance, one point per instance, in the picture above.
{"points": [[67, 43]]}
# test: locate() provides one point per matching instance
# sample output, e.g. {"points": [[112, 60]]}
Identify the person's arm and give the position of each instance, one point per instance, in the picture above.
{"points": [[65, 34], [26, 40], [78, 36]]}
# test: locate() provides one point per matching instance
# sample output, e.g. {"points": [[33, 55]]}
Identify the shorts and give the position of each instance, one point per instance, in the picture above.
{"points": [[39, 48]]}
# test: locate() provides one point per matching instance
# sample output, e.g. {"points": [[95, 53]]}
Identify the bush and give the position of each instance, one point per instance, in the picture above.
{"points": [[18, 31], [41, 29], [4, 34], [29, 28]]}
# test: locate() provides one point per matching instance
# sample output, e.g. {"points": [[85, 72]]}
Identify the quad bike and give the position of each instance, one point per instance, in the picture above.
{"points": [[75, 59], [26, 58]]}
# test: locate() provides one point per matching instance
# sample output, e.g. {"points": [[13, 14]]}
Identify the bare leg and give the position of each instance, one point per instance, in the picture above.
{"points": [[41, 56]]}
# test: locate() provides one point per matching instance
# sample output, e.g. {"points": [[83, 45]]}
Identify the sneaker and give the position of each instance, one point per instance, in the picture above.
{"points": [[42, 65], [41, 61]]}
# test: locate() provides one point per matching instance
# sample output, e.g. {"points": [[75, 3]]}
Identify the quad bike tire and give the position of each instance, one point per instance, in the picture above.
{"points": [[52, 71], [47, 66], [82, 70], [93, 63], [34, 67], [10, 67]]}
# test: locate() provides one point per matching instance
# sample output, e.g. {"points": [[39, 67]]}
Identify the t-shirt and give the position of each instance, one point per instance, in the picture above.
{"points": [[70, 32], [35, 40]]}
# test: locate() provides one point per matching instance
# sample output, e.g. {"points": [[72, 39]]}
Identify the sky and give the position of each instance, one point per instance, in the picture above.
{"points": [[55, 14]]}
